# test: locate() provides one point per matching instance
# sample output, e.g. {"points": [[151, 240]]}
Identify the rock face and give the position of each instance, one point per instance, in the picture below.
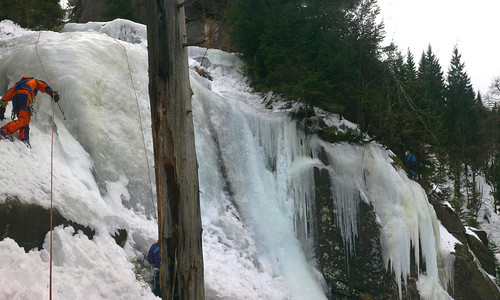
{"points": [[205, 25], [90, 10], [28, 224], [87, 10], [363, 275], [482, 253], [470, 282]]}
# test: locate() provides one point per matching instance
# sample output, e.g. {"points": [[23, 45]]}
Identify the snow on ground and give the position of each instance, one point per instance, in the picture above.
{"points": [[448, 241], [100, 176], [489, 220]]}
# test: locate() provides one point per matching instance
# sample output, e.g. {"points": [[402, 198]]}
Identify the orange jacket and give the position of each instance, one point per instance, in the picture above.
{"points": [[28, 86]]}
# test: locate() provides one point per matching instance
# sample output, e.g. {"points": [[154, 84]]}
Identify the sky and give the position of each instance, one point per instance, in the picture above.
{"points": [[471, 25]]}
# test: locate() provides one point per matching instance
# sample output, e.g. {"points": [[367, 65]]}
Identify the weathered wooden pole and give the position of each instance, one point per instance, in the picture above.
{"points": [[179, 219]]}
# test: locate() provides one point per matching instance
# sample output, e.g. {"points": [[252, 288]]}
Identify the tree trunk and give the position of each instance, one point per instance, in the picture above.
{"points": [[179, 220]]}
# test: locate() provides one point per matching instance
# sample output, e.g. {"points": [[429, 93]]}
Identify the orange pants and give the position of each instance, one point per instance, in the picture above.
{"points": [[22, 123]]}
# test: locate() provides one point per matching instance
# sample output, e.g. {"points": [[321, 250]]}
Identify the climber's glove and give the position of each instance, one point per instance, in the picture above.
{"points": [[56, 96]]}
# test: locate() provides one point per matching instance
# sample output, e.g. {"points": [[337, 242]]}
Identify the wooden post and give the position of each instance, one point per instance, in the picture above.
{"points": [[179, 219]]}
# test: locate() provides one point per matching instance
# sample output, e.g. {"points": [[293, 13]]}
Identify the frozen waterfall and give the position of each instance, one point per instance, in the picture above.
{"points": [[255, 170], [265, 178]]}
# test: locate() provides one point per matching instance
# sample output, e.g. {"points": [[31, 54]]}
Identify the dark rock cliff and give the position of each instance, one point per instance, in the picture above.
{"points": [[362, 276], [205, 24], [470, 280], [28, 224]]}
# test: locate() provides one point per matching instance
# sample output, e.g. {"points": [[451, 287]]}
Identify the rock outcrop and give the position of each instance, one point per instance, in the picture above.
{"points": [[28, 224], [473, 258], [363, 275], [205, 24], [359, 276]]}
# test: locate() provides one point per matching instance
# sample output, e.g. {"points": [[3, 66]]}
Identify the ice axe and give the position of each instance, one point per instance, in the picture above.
{"points": [[56, 100], [64, 117]]}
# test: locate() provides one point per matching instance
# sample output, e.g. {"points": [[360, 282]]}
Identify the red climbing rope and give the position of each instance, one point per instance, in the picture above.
{"points": [[51, 166], [140, 123], [52, 153]]}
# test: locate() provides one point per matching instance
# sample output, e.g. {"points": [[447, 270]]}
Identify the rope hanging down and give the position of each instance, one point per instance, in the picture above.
{"points": [[52, 152], [51, 166], [140, 123]]}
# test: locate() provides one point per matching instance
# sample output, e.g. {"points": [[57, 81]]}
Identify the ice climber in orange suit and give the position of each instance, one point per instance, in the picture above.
{"points": [[22, 95]]}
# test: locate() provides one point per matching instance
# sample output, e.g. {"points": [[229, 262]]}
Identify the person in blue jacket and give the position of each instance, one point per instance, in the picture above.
{"points": [[155, 260], [411, 164]]}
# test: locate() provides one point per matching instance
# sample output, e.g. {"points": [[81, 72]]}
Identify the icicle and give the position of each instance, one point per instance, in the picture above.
{"points": [[266, 166], [408, 222]]}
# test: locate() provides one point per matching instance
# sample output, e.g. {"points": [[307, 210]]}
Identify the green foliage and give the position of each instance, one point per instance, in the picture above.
{"points": [[114, 9], [457, 205], [334, 135], [33, 14], [398, 161], [317, 52], [461, 117], [304, 112], [328, 54], [494, 249], [471, 220]]}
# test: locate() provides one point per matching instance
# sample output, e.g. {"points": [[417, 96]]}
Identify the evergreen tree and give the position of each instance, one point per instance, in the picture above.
{"points": [[33, 14], [463, 113], [430, 97], [492, 169], [431, 82], [492, 123], [114, 9], [410, 77], [411, 69], [323, 53], [423, 102], [461, 117]]}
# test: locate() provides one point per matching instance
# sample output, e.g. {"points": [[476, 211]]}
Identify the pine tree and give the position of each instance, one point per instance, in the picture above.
{"points": [[411, 69], [114, 9], [431, 81], [462, 118], [460, 113], [423, 109], [324, 53], [33, 14], [492, 123], [46, 14]]}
